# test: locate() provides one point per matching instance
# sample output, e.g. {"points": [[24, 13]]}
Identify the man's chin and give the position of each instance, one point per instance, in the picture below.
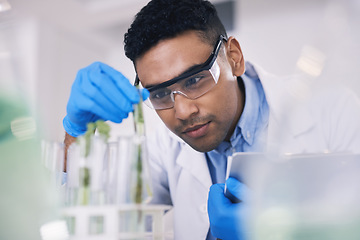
{"points": [[201, 147]]}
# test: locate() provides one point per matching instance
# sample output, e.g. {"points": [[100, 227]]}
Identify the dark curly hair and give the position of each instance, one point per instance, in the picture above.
{"points": [[164, 19]]}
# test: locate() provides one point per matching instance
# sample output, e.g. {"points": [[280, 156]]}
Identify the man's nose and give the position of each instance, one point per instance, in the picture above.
{"points": [[184, 107]]}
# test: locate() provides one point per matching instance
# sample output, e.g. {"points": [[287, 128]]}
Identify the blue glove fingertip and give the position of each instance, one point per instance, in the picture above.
{"points": [[216, 188], [67, 126], [71, 129], [145, 94], [237, 188], [232, 183]]}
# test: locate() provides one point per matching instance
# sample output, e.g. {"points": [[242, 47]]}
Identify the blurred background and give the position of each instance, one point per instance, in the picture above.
{"points": [[43, 43]]}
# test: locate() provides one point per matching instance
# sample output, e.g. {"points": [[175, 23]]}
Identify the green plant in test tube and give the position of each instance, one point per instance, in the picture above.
{"points": [[139, 129], [85, 174]]}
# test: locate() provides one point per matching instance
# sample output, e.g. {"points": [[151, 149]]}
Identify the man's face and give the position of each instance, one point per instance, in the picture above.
{"points": [[204, 122]]}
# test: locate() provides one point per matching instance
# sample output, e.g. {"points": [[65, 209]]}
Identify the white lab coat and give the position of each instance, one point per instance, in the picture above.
{"points": [[326, 122]]}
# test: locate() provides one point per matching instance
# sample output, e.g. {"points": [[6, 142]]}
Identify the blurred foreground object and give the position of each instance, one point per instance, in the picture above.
{"points": [[304, 196], [27, 201]]}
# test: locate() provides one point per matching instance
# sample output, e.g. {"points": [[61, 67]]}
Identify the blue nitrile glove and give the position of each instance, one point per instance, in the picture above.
{"points": [[99, 92], [227, 218]]}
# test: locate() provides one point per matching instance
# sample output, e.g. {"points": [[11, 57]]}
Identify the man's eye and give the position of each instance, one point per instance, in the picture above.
{"points": [[160, 94], [191, 82]]}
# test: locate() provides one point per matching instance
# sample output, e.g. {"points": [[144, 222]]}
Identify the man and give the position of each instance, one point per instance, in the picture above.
{"points": [[213, 103]]}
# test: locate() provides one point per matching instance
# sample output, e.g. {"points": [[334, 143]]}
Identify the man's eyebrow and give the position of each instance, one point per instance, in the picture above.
{"points": [[190, 69]]}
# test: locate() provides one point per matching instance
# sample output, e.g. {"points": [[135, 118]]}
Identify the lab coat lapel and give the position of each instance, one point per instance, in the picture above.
{"points": [[195, 163]]}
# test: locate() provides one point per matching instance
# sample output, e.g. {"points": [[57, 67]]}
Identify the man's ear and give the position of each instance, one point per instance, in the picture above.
{"points": [[235, 56]]}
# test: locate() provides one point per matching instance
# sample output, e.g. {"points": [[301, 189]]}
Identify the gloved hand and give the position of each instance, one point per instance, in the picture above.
{"points": [[99, 92], [227, 218]]}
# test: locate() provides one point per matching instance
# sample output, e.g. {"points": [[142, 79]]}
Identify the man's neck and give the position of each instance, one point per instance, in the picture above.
{"points": [[240, 110]]}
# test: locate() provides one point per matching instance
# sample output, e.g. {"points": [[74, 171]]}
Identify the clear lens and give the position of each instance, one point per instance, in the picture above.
{"points": [[192, 87]]}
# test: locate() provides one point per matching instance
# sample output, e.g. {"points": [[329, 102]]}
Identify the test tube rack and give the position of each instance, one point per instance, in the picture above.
{"points": [[114, 222]]}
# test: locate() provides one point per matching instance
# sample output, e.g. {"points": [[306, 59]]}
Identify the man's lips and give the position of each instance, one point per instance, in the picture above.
{"points": [[197, 131]]}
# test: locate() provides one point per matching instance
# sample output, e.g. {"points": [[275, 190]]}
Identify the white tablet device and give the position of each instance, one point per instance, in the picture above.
{"points": [[239, 163], [238, 166]]}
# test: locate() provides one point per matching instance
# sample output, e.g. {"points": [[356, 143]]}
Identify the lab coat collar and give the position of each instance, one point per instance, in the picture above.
{"points": [[288, 101], [194, 162], [249, 117]]}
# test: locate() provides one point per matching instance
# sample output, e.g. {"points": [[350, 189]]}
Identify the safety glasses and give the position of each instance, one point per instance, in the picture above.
{"points": [[191, 84]]}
